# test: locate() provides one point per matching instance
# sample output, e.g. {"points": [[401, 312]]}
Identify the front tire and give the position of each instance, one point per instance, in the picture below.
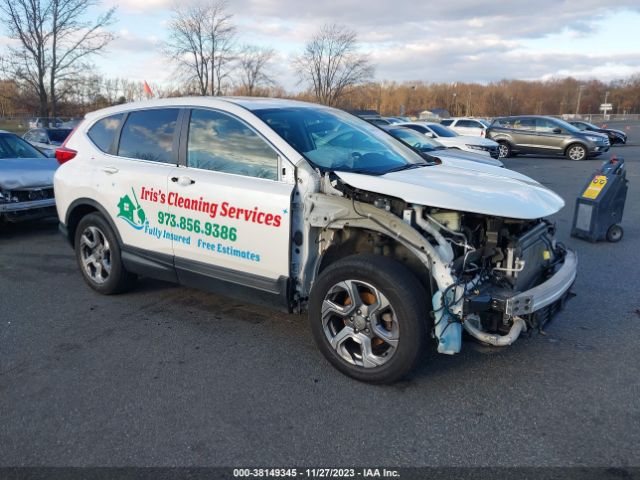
{"points": [[368, 316], [576, 152], [99, 257]]}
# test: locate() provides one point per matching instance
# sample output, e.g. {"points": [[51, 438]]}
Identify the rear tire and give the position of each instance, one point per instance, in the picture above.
{"points": [[99, 256], [576, 152], [369, 317], [504, 149]]}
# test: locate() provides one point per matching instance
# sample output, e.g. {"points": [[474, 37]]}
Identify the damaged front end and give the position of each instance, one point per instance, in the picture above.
{"points": [[492, 276], [27, 203]]}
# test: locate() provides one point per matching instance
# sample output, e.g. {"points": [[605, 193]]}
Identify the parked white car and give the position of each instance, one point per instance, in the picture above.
{"points": [[255, 198], [474, 127], [449, 138]]}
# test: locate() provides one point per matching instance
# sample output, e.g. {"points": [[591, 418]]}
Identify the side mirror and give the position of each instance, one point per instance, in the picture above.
{"points": [[557, 130]]}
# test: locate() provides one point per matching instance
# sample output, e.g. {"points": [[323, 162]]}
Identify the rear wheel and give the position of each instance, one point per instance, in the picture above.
{"points": [[98, 255], [576, 152], [504, 149], [368, 317]]}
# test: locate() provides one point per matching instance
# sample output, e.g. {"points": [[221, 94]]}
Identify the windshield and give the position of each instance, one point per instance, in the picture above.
{"points": [[442, 131], [566, 125], [336, 140], [587, 124], [484, 122], [12, 146], [59, 135], [416, 140]]}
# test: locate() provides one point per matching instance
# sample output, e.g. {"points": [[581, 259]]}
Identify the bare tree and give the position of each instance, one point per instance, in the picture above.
{"points": [[331, 63], [253, 62], [55, 42], [201, 39]]}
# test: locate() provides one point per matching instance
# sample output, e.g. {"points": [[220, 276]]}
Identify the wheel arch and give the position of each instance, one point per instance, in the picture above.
{"points": [[82, 207], [353, 241]]}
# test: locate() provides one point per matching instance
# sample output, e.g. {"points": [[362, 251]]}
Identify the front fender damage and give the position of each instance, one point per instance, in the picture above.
{"points": [[327, 213]]}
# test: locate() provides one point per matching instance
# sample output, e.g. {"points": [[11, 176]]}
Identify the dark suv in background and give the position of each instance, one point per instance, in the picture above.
{"points": [[545, 136]]}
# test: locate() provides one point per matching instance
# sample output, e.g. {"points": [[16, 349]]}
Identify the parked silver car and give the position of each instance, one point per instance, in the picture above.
{"points": [[47, 139], [26, 180]]}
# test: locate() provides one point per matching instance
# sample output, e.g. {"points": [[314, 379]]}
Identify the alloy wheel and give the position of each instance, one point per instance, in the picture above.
{"points": [[360, 324], [95, 253], [503, 150], [577, 152]]}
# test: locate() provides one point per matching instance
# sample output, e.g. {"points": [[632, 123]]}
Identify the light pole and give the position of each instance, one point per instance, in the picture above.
{"points": [[580, 88]]}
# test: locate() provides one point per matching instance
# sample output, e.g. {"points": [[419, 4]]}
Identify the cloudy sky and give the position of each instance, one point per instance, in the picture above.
{"points": [[455, 40]]}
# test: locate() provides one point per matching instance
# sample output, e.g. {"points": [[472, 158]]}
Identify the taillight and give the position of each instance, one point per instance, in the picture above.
{"points": [[64, 154]]}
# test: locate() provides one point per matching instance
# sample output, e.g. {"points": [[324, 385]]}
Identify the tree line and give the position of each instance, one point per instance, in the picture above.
{"points": [[43, 71]]}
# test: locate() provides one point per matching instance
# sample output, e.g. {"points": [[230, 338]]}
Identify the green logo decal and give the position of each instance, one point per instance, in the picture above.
{"points": [[132, 213]]}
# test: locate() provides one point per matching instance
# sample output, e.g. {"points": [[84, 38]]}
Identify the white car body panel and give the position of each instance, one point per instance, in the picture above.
{"points": [[473, 188], [88, 175]]}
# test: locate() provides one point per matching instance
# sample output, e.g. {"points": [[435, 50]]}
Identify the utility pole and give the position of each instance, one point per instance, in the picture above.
{"points": [[580, 88]]}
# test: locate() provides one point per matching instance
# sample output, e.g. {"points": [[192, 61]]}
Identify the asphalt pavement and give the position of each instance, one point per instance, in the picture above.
{"points": [[170, 376]]}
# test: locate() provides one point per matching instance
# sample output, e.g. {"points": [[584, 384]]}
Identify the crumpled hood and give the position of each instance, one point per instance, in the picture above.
{"points": [[482, 189], [16, 173]]}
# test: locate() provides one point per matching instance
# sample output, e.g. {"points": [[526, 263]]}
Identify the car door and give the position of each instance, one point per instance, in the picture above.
{"points": [[550, 136], [228, 205], [524, 134], [131, 177]]}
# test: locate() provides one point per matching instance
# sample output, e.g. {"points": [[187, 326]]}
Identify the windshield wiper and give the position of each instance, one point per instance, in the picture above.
{"points": [[408, 166]]}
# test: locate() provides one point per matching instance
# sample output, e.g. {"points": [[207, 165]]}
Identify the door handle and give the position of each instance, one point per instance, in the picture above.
{"points": [[110, 170], [183, 181]]}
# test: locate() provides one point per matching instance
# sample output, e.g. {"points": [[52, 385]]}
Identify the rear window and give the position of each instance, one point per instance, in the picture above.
{"points": [[59, 135], [148, 135], [104, 131]]}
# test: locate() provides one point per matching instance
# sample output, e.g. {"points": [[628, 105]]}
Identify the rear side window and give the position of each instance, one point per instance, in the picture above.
{"points": [[104, 131], [148, 135], [468, 124]]}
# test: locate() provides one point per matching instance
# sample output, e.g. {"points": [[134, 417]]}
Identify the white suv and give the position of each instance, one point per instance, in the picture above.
{"points": [[475, 127], [269, 200]]}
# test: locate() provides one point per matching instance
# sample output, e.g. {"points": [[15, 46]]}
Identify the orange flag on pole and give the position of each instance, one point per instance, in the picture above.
{"points": [[147, 89]]}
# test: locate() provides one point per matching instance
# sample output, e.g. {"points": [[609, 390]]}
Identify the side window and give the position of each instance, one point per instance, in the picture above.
{"points": [[42, 137], [447, 122], [469, 124], [524, 124], [544, 125], [103, 131], [222, 143], [148, 135]]}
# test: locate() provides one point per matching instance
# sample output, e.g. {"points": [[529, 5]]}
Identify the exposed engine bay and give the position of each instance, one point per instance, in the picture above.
{"points": [[481, 269]]}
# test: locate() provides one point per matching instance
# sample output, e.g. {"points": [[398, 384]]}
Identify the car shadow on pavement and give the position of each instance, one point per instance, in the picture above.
{"points": [[30, 228]]}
